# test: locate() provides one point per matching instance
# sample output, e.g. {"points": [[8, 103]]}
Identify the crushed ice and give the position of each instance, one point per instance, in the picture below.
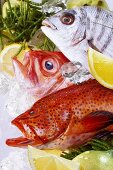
{"points": [[4, 83], [18, 100], [53, 6], [16, 160], [13, 101], [75, 72]]}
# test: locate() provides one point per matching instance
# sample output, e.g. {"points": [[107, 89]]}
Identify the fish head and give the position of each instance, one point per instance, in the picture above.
{"points": [[40, 74], [40, 125], [66, 29]]}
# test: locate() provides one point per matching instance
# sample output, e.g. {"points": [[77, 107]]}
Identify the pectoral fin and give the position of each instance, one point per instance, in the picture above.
{"points": [[93, 122], [97, 120]]}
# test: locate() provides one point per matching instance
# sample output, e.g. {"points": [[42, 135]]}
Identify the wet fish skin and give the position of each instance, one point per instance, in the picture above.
{"points": [[92, 27], [40, 73], [67, 118]]}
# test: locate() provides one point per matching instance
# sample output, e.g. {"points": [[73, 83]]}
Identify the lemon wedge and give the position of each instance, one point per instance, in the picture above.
{"points": [[101, 67], [95, 160], [8, 53], [13, 3], [54, 151], [75, 3], [42, 160]]}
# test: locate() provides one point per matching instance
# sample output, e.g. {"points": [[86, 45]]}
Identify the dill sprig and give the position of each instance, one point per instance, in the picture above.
{"points": [[47, 45], [21, 21], [94, 144]]}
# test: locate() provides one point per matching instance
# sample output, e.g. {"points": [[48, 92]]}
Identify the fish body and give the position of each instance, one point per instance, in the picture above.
{"points": [[66, 118], [40, 72], [75, 30]]}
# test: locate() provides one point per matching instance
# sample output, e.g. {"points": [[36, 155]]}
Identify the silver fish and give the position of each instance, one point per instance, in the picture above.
{"points": [[74, 31]]}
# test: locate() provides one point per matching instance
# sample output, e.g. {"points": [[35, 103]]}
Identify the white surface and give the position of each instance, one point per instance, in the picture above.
{"points": [[13, 158]]}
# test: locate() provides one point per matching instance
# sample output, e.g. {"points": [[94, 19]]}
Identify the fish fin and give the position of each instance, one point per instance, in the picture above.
{"points": [[92, 123], [103, 134], [110, 128], [97, 120]]}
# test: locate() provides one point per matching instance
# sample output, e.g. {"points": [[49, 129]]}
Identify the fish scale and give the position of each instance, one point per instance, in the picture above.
{"points": [[101, 26]]}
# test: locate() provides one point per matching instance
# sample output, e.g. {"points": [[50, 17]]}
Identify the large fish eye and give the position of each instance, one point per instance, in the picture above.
{"points": [[67, 18], [48, 65]]}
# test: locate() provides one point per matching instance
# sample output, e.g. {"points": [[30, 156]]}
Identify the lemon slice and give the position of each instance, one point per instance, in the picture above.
{"points": [[75, 3], [101, 68], [41, 160], [53, 151], [8, 53], [13, 3]]}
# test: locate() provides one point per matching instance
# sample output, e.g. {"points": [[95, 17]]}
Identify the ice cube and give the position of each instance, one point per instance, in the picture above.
{"points": [[53, 6], [75, 72], [18, 100]]}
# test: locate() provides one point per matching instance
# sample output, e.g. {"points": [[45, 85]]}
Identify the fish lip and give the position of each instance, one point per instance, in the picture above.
{"points": [[21, 128], [48, 24], [26, 135]]}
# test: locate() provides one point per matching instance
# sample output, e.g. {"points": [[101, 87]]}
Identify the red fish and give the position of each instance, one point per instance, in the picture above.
{"points": [[66, 118], [40, 74]]}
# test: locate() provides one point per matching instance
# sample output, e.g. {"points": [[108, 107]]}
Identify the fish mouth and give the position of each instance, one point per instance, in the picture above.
{"points": [[22, 74], [48, 24], [26, 139]]}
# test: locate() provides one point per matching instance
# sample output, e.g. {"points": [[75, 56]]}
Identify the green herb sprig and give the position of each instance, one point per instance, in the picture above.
{"points": [[22, 21], [47, 45], [94, 144]]}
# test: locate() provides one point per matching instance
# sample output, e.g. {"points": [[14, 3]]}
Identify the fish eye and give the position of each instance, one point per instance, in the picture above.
{"points": [[48, 65], [67, 18]]}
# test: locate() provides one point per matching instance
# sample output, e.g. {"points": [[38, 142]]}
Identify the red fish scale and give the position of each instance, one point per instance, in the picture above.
{"points": [[47, 121], [79, 100]]}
